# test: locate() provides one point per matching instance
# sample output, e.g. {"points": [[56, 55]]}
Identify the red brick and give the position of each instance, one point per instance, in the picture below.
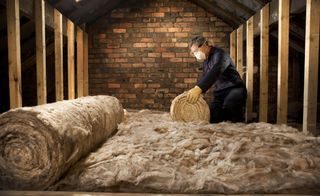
{"points": [[146, 39], [119, 50], [187, 70], [160, 29], [147, 30], [119, 30], [158, 14], [167, 45], [139, 25], [154, 85], [181, 34], [99, 36], [139, 45], [164, 9], [121, 60], [168, 55], [175, 60], [191, 19], [149, 90], [113, 85], [182, 54], [182, 75], [124, 25], [126, 65], [181, 85], [182, 45], [149, 9], [140, 85], [154, 54], [147, 101], [156, 24], [189, 60], [138, 65], [176, 9], [190, 80], [130, 96], [153, 45], [187, 30], [149, 60], [174, 29], [113, 45], [186, 14]]}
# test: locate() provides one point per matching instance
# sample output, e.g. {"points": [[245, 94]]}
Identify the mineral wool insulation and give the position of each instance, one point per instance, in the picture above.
{"points": [[151, 153]]}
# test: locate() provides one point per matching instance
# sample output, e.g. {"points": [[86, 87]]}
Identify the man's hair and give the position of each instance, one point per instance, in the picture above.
{"points": [[198, 41]]}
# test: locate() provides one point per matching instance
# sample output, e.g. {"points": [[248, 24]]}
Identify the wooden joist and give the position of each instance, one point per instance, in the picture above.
{"points": [[249, 72], [85, 65], [240, 50], [233, 46], [71, 77], [79, 62], [264, 63], [40, 52], [311, 66], [14, 56], [283, 58], [58, 41]]}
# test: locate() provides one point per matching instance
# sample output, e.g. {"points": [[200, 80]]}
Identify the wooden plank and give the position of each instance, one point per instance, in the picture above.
{"points": [[249, 72], [233, 46], [283, 58], [240, 50], [85, 66], [40, 52], [311, 67], [14, 56], [58, 44], [264, 63], [79, 62], [71, 82]]}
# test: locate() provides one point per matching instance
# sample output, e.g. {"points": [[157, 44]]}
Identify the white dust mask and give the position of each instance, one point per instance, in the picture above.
{"points": [[200, 55]]}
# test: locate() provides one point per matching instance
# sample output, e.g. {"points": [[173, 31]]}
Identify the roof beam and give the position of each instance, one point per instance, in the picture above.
{"points": [[296, 6], [262, 2], [244, 8], [97, 13], [212, 7]]}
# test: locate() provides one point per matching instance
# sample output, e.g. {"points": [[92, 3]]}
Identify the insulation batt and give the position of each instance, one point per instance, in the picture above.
{"points": [[182, 110], [39, 144], [151, 153]]}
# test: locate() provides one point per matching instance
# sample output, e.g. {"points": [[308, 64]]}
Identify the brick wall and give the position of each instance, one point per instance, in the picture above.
{"points": [[139, 53]]}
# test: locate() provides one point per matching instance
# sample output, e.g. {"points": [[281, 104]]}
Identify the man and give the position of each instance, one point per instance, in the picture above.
{"points": [[230, 93]]}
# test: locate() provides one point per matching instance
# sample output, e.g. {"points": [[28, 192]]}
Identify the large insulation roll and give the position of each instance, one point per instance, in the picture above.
{"points": [[182, 110], [39, 144]]}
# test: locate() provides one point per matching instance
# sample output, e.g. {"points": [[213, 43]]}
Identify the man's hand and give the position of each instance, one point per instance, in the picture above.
{"points": [[193, 94]]}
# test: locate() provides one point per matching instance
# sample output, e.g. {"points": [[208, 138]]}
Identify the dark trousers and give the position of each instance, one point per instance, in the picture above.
{"points": [[228, 105]]}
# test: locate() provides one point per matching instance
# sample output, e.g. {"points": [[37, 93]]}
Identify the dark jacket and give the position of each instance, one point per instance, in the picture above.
{"points": [[218, 69]]}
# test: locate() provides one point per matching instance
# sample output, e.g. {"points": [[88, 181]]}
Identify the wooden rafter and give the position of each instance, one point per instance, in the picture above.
{"points": [[212, 7], [238, 5]]}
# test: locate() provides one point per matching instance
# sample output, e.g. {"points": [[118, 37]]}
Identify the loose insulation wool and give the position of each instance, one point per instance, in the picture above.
{"points": [[182, 110], [151, 153], [38, 144]]}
